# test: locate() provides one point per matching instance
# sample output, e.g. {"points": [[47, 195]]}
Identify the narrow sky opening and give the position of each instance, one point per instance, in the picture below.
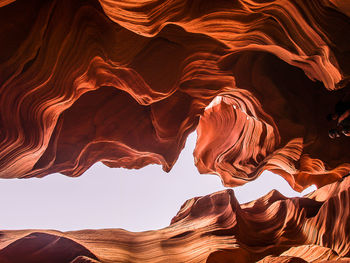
{"points": [[135, 200]]}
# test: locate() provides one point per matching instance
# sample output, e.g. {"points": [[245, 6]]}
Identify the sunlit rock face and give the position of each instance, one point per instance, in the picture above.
{"points": [[212, 228], [125, 82]]}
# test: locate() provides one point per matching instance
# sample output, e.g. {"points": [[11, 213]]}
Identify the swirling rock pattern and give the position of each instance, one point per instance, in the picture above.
{"points": [[125, 82], [212, 228]]}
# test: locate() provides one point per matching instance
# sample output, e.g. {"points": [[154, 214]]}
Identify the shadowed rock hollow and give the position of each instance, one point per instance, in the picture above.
{"points": [[125, 82]]}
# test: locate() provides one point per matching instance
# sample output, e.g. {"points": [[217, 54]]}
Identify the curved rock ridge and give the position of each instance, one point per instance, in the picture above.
{"points": [[312, 253], [212, 228], [75, 93], [289, 29], [45, 247], [125, 82], [238, 141]]}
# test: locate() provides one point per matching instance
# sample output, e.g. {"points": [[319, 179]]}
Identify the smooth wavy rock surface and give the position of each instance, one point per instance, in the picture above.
{"points": [[125, 82], [44, 247], [212, 228]]}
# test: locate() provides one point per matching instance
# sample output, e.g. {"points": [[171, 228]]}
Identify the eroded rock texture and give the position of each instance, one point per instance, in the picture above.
{"points": [[125, 82], [212, 228]]}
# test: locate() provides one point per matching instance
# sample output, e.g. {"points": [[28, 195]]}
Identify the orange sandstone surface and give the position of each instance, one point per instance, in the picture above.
{"points": [[124, 82]]}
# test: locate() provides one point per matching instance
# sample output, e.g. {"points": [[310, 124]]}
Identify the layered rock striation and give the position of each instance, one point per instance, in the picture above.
{"points": [[125, 82]]}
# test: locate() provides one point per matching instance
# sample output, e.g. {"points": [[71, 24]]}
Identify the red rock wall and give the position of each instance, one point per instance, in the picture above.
{"points": [[125, 82]]}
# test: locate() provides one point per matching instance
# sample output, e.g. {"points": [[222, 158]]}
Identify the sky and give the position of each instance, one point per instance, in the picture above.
{"points": [[135, 200]]}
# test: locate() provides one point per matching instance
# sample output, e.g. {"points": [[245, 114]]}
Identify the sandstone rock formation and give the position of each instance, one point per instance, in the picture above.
{"points": [[212, 228], [125, 82]]}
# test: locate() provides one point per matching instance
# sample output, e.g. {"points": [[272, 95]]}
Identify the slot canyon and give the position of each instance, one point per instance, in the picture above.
{"points": [[265, 84]]}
